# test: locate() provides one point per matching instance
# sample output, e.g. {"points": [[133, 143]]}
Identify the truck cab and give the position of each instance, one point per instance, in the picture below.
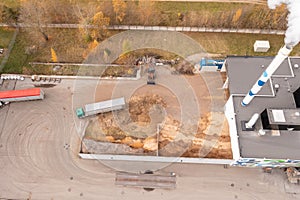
{"points": [[80, 112]]}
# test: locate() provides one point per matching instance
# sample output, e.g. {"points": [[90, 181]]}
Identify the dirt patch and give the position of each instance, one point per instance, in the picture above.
{"points": [[210, 146], [171, 103], [139, 107], [133, 57], [167, 140], [145, 56], [183, 67], [135, 131]]}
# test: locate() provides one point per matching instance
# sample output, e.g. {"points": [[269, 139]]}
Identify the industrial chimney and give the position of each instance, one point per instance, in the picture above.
{"points": [[292, 38], [280, 57]]}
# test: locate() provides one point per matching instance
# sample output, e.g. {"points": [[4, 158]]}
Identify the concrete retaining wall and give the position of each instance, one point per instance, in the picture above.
{"points": [[156, 159]]}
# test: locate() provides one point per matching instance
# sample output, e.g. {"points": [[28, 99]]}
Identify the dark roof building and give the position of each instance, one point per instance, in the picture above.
{"points": [[275, 137]]}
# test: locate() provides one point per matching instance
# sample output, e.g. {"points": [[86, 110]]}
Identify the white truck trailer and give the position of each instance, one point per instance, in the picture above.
{"points": [[101, 107]]}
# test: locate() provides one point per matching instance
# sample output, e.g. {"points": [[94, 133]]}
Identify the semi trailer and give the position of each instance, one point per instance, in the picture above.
{"points": [[21, 95], [101, 107]]}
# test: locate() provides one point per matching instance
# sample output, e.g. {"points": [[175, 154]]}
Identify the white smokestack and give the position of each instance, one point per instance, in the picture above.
{"points": [[292, 35], [292, 38], [276, 62]]}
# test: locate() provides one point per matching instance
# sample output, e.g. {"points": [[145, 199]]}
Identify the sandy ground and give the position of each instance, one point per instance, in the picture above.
{"points": [[39, 143]]}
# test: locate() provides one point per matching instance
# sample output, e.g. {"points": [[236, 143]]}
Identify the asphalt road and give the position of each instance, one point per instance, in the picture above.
{"points": [[39, 143]]}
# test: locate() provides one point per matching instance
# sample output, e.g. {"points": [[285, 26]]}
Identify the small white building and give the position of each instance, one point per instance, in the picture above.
{"points": [[261, 46]]}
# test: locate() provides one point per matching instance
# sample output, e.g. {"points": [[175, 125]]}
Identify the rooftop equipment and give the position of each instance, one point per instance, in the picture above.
{"points": [[249, 126], [210, 64], [261, 46]]}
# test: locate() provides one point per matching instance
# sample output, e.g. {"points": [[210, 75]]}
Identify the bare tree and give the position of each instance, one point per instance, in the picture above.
{"points": [[35, 14], [145, 9], [8, 15]]}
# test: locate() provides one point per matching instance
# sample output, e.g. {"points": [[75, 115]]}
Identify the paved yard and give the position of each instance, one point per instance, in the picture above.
{"points": [[39, 143]]}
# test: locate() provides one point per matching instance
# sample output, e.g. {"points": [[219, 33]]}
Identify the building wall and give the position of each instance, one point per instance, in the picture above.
{"points": [[258, 162], [230, 115]]}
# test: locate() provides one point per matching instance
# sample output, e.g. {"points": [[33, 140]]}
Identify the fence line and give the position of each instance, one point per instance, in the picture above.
{"points": [[158, 28], [196, 29]]}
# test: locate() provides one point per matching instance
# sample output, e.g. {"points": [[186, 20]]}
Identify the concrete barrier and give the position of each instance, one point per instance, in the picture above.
{"points": [[194, 29]]}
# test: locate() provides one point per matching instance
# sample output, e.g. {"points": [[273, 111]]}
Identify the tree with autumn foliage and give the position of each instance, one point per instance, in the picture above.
{"points": [[53, 55], [236, 17], [93, 23], [99, 23], [120, 7]]}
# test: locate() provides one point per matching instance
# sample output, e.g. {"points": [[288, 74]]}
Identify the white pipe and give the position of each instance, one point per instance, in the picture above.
{"points": [[252, 121], [261, 132], [280, 57]]}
